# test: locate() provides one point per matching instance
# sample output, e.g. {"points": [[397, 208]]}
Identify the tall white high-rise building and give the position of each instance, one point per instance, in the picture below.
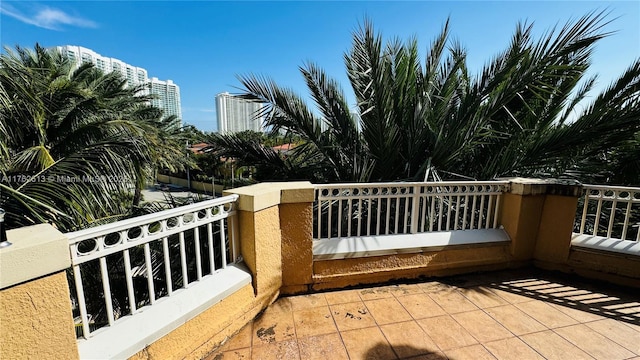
{"points": [[167, 96], [134, 75], [167, 92], [236, 114]]}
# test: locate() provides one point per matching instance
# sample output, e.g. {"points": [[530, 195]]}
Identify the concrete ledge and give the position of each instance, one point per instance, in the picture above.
{"points": [[625, 247], [264, 195], [131, 334], [256, 197], [37, 251], [296, 192], [365, 246], [526, 186]]}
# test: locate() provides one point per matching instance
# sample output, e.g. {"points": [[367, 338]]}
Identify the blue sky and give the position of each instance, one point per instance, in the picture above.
{"points": [[203, 45]]}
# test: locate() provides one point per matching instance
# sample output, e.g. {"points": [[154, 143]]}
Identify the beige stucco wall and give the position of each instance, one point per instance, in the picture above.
{"points": [[296, 221], [261, 247], [520, 216], [556, 226], [330, 274], [611, 267], [36, 321]]}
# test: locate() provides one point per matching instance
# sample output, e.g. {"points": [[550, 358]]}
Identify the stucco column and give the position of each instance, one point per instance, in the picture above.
{"points": [[538, 215], [296, 222], [36, 320], [260, 238], [556, 223]]}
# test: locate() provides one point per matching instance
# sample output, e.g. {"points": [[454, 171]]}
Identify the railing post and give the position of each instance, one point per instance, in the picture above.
{"points": [[260, 237], [538, 215], [35, 312], [415, 207]]}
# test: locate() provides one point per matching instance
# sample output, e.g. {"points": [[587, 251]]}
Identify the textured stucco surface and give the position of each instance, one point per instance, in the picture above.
{"points": [[261, 247], [520, 216], [36, 320], [296, 221], [611, 267], [556, 225], [356, 271]]}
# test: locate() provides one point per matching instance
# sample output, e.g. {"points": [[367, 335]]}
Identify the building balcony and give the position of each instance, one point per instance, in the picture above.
{"points": [[516, 268]]}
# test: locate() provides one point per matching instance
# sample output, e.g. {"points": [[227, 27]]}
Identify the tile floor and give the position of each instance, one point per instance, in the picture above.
{"points": [[521, 314]]}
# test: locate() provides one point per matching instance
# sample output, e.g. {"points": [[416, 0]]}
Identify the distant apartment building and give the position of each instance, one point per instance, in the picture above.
{"points": [[236, 114], [167, 96], [167, 92]]}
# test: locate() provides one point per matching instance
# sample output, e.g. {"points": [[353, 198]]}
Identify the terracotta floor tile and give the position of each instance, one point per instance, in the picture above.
{"points": [[342, 297], [405, 289], [446, 332], [307, 301], [436, 286], [482, 326], [528, 283], [619, 332], [593, 343], [272, 326], [588, 298], [314, 321], [322, 347], [420, 306], [438, 355], [352, 316], [633, 311], [387, 311], [577, 314], [483, 297], [511, 296], [240, 340], [515, 320], [408, 339], [276, 351], [281, 305], [552, 289], [237, 354], [368, 343], [375, 293], [603, 301], [452, 301], [635, 326], [512, 348], [552, 346], [467, 317], [475, 352], [546, 314]]}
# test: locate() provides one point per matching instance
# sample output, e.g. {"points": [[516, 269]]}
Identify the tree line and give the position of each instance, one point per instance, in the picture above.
{"points": [[528, 112], [77, 145]]}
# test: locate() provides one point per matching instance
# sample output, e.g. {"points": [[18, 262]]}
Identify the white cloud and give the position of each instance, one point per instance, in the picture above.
{"points": [[46, 17]]}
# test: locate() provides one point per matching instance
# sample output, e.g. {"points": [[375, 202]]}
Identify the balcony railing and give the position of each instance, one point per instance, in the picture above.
{"points": [[610, 212], [348, 210], [136, 262]]}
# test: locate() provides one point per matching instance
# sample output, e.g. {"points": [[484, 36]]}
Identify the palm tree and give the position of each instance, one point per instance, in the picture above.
{"points": [[74, 143], [435, 120]]}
